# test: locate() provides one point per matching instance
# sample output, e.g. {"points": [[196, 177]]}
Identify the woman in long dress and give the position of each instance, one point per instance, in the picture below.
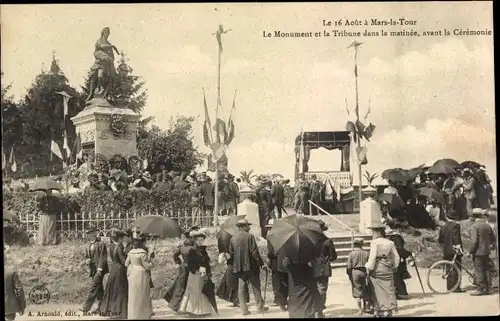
{"points": [[303, 295], [176, 291], [138, 264], [382, 263], [199, 297], [115, 300], [47, 230]]}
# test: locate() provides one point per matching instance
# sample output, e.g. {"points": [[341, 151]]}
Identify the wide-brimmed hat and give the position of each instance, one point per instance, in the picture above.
{"points": [[453, 215], [118, 232], [198, 233], [378, 227], [92, 230], [322, 224], [479, 212], [243, 222]]}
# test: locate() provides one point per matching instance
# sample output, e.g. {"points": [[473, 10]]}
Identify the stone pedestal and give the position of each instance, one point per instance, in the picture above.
{"points": [[369, 211], [251, 210], [246, 193], [94, 126]]}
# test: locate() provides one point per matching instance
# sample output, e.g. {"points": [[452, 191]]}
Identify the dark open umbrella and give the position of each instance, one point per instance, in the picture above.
{"points": [[447, 161], [470, 165], [396, 175], [159, 226], [226, 232], [432, 194], [297, 237], [395, 201], [45, 185], [441, 169], [416, 171], [10, 216]]}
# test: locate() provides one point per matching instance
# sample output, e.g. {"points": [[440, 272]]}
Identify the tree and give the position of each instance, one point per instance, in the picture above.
{"points": [[11, 119], [128, 90], [172, 149], [247, 176], [43, 120]]}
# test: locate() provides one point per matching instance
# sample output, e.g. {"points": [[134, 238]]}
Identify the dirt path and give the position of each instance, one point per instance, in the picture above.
{"points": [[339, 304]]}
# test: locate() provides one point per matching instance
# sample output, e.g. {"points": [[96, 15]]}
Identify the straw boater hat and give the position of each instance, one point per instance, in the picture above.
{"points": [[243, 222], [377, 227]]}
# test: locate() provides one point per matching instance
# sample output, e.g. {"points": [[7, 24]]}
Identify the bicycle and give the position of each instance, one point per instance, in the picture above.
{"points": [[444, 268]]}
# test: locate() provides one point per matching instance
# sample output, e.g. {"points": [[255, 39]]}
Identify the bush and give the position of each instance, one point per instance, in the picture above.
{"points": [[14, 233], [101, 163], [97, 202]]}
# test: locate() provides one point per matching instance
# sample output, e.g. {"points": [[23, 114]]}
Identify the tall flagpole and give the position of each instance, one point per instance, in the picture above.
{"points": [[358, 143]]}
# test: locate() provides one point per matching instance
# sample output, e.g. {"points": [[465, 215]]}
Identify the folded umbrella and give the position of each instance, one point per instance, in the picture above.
{"points": [[10, 216], [226, 232], [45, 185], [447, 161], [209, 291], [160, 226], [297, 237], [432, 194], [394, 200], [441, 169]]}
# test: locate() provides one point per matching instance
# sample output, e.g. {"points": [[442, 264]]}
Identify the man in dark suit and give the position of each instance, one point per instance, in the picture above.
{"points": [[483, 239], [97, 263], [322, 268], [247, 263], [235, 193], [14, 299], [279, 275], [316, 190], [265, 207], [278, 196], [208, 199], [450, 239]]}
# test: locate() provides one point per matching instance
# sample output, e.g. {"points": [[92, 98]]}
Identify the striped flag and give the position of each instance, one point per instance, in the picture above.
{"points": [[207, 124], [230, 134], [220, 130], [77, 148], [66, 123], [54, 148]]}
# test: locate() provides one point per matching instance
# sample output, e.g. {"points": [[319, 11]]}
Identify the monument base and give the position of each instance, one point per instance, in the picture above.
{"points": [[369, 215], [251, 210], [112, 130]]}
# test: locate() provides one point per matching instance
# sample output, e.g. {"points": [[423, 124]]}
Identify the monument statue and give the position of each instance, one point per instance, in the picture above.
{"points": [[103, 70]]}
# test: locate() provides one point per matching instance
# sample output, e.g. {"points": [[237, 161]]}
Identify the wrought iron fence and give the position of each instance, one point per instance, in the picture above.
{"points": [[74, 226]]}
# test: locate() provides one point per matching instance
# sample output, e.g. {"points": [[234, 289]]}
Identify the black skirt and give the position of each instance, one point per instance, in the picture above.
{"points": [[227, 289], [115, 300], [176, 292]]}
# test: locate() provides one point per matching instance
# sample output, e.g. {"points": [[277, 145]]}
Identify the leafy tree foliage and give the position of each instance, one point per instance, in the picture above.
{"points": [[172, 149], [11, 119]]}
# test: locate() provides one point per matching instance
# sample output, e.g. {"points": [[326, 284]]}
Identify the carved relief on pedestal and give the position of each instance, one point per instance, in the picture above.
{"points": [[88, 136]]}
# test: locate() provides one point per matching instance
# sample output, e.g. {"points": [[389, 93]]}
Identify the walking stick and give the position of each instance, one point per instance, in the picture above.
{"points": [[418, 275], [265, 290]]}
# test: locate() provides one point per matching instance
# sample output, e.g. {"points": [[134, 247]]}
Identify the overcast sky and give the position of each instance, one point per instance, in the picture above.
{"points": [[431, 97]]}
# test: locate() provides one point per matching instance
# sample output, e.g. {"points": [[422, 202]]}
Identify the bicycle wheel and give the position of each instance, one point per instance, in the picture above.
{"points": [[443, 277]]}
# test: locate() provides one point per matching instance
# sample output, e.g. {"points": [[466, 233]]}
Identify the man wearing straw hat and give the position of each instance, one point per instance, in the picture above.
{"points": [[483, 240], [450, 239], [97, 263], [247, 264]]}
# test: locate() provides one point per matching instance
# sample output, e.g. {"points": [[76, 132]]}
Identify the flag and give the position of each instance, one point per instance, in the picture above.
{"points": [[220, 130], [66, 122], [230, 134], [54, 148], [211, 164], [369, 131], [207, 124], [77, 147], [12, 160], [66, 147]]}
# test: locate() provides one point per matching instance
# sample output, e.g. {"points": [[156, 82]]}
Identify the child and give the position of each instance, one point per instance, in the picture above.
{"points": [[357, 275]]}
